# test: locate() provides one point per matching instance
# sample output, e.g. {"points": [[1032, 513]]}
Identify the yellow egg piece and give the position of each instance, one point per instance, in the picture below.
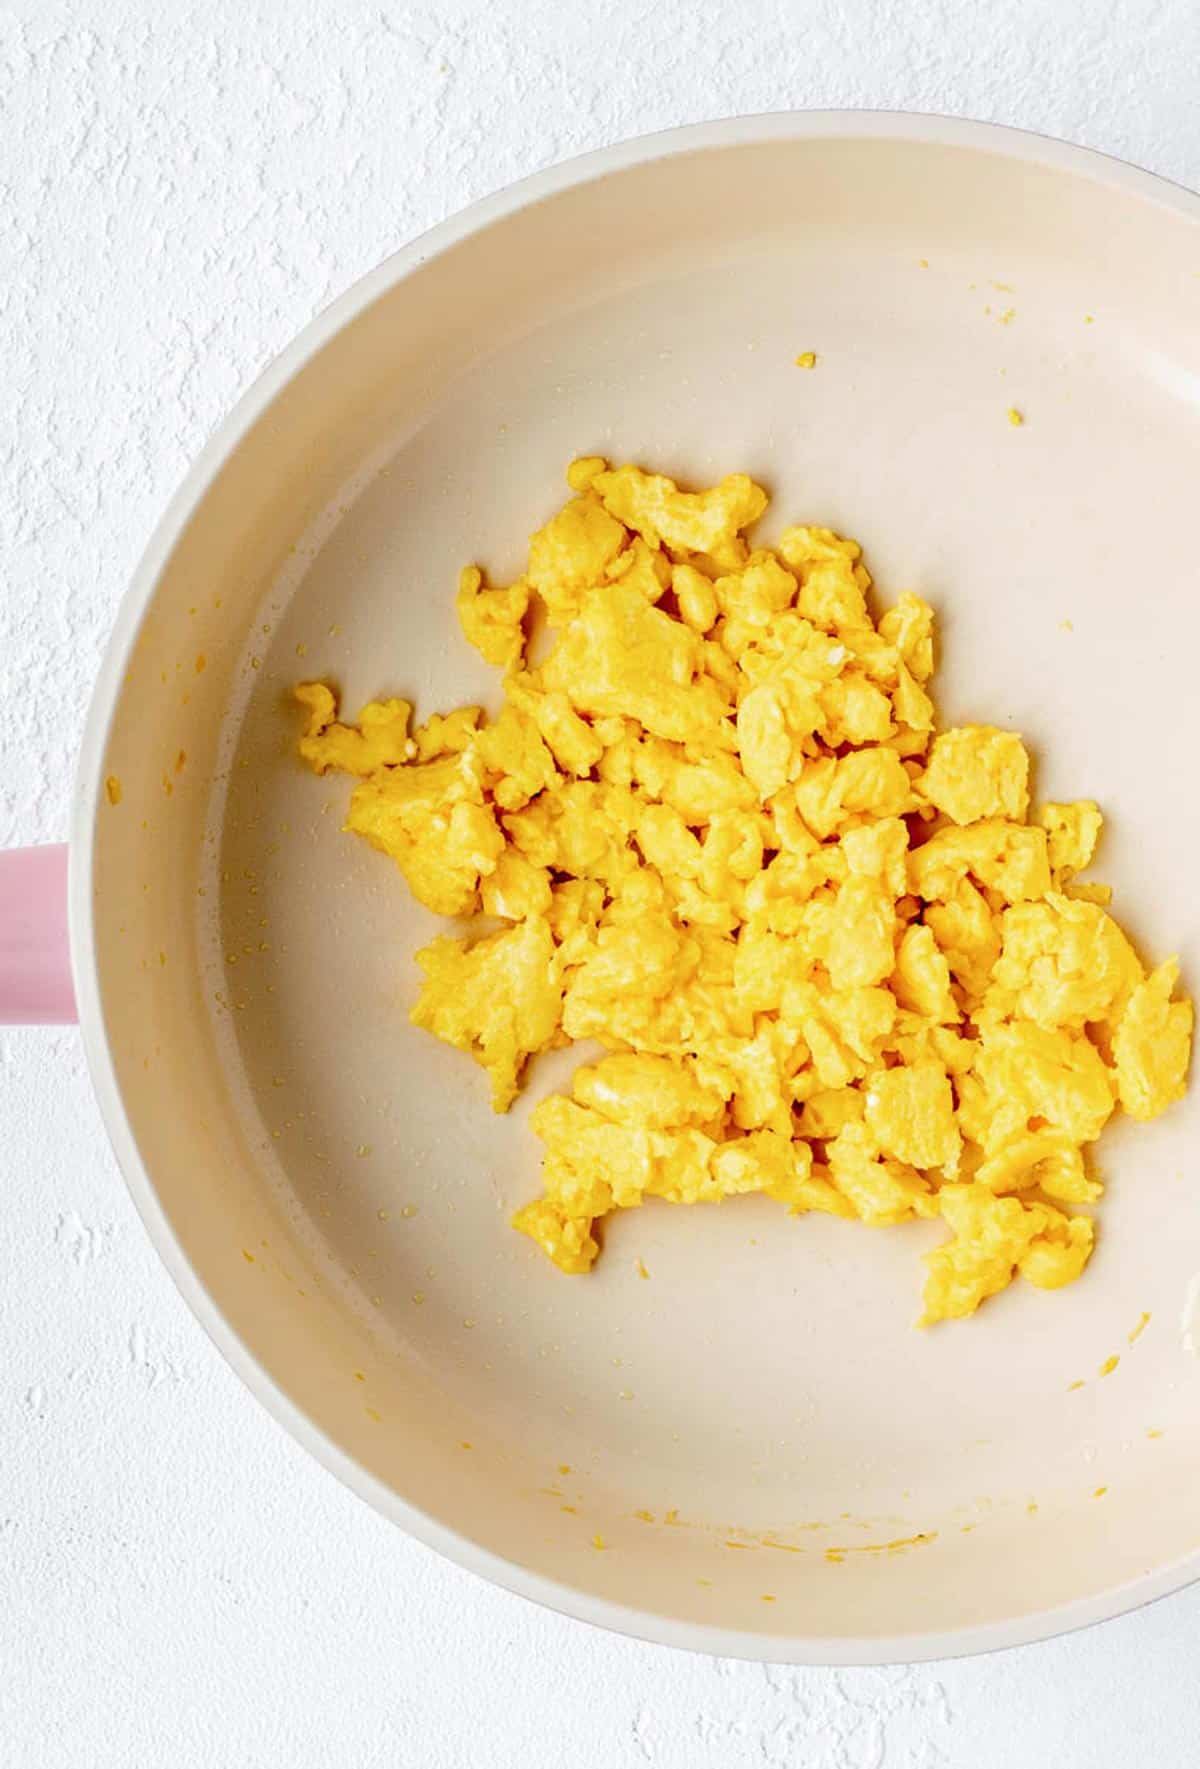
{"points": [[1153, 1045], [976, 772]]}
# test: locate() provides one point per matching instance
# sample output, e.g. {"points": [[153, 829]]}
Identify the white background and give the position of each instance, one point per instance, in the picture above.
{"points": [[181, 188]]}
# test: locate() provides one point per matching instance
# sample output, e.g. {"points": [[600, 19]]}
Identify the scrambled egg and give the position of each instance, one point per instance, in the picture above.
{"points": [[828, 950]]}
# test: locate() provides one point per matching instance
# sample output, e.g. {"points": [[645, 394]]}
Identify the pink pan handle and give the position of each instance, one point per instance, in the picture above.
{"points": [[35, 954]]}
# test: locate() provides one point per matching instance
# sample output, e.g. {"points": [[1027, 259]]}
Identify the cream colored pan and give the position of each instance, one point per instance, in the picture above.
{"points": [[752, 1451]]}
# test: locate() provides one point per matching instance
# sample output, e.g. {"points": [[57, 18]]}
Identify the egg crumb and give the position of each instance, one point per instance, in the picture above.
{"points": [[1015, 418], [807, 359], [831, 953]]}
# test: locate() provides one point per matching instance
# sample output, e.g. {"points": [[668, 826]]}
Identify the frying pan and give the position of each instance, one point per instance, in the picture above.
{"points": [[750, 1450]]}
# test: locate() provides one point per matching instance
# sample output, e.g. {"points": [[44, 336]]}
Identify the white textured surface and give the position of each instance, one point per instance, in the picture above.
{"points": [[181, 187]]}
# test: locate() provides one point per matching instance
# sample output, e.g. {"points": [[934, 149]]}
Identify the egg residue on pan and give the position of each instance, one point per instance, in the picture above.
{"points": [[830, 952]]}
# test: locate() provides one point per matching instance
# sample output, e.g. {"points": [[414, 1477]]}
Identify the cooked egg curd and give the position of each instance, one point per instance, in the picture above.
{"points": [[830, 953]]}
